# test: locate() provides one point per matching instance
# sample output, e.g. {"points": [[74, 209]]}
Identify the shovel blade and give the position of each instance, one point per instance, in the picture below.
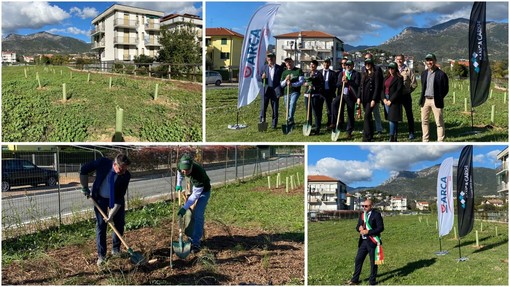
{"points": [[334, 135], [262, 126], [137, 258], [286, 129], [307, 129], [181, 249]]}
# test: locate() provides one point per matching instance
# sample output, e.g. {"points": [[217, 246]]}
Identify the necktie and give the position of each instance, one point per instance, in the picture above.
{"points": [[111, 182]]}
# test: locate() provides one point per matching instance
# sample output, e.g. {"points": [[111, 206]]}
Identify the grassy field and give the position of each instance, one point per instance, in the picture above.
{"points": [[40, 114], [409, 248], [221, 109], [246, 204]]}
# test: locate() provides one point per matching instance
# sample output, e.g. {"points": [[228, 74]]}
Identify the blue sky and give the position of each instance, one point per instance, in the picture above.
{"points": [[73, 19], [355, 23], [370, 165]]}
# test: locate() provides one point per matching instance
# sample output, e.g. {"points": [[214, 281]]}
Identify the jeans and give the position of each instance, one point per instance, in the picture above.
{"points": [[119, 220], [393, 128], [377, 117], [198, 213], [292, 109]]}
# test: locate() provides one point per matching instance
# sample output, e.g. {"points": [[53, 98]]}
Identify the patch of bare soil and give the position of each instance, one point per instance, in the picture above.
{"points": [[230, 256]]}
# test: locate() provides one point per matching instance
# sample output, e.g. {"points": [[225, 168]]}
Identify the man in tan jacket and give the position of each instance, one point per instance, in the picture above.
{"points": [[409, 86]]}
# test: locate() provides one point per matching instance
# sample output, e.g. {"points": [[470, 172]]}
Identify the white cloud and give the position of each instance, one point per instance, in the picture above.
{"points": [[69, 30], [168, 7], [349, 21], [34, 15], [492, 156], [87, 12], [402, 157], [348, 171]]}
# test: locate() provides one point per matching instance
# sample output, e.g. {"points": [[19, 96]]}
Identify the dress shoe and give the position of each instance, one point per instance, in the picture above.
{"points": [[352, 283]]}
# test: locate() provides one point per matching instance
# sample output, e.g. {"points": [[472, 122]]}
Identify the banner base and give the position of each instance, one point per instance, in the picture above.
{"points": [[462, 259], [236, 127], [440, 253]]}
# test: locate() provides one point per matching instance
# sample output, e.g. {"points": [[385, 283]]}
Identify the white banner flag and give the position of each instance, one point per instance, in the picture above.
{"points": [[253, 55], [445, 197]]}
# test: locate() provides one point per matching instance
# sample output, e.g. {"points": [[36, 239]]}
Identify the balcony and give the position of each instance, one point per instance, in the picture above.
{"points": [[124, 23], [288, 47], [151, 43], [502, 187], [119, 40], [152, 26], [97, 30], [98, 45]]}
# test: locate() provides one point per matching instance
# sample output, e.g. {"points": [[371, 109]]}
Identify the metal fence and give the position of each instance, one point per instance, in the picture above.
{"points": [[29, 207]]}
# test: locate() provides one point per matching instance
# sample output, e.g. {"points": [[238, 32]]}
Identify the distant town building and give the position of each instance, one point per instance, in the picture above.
{"points": [[122, 32], [28, 59], [305, 46], [502, 173], [177, 21], [494, 202], [8, 57], [325, 193], [224, 48], [398, 203], [422, 205]]}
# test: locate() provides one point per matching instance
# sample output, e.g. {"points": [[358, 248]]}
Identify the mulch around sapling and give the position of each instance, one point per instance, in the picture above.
{"points": [[231, 256]]}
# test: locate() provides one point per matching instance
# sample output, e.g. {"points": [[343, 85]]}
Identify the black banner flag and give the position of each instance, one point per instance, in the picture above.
{"points": [[479, 68], [465, 191]]}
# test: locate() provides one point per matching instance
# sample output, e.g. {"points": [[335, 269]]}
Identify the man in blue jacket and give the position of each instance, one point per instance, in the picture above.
{"points": [[108, 190]]}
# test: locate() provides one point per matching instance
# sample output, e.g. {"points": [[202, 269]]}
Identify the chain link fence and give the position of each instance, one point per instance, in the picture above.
{"points": [[31, 201]]}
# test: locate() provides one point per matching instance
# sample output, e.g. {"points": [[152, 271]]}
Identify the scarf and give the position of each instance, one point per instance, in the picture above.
{"points": [[379, 255]]}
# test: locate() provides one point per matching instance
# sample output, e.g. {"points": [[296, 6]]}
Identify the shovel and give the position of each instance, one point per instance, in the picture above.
{"points": [[136, 257], [287, 128], [181, 249], [336, 132], [307, 128], [263, 125]]}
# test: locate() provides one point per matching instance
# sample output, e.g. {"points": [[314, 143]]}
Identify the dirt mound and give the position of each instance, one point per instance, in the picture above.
{"points": [[231, 256]]}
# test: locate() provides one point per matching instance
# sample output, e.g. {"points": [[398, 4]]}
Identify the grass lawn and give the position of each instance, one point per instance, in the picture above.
{"points": [[221, 110], [40, 114], [409, 249]]}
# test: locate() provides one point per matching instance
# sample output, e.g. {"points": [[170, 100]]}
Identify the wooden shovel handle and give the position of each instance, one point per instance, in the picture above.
{"points": [[111, 224], [340, 105]]}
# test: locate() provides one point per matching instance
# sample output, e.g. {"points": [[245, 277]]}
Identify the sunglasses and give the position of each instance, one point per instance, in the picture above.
{"points": [[366, 205]]}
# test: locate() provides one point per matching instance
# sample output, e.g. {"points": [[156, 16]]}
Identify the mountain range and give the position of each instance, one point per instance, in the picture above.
{"points": [[446, 40], [44, 43], [421, 185]]}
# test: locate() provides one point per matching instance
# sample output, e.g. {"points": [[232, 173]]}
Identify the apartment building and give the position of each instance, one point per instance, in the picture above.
{"points": [[326, 193], [8, 57], [178, 21], [502, 173], [305, 46], [398, 203], [224, 48], [122, 32]]}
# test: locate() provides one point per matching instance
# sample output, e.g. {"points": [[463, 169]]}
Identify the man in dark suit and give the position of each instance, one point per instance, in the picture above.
{"points": [[329, 89], [434, 87], [108, 190], [370, 225], [271, 74]]}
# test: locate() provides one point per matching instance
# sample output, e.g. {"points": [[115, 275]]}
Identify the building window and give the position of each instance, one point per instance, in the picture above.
{"points": [[225, 56], [208, 42], [224, 41]]}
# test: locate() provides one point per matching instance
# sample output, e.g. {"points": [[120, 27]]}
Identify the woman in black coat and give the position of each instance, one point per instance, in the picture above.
{"points": [[369, 95], [392, 99]]}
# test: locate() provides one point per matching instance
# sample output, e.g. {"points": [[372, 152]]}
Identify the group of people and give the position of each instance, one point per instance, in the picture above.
{"points": [[344, 89], [109, 190]]}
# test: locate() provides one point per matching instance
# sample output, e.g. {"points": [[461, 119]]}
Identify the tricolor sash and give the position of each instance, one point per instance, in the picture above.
{"points": [[379, 255]]}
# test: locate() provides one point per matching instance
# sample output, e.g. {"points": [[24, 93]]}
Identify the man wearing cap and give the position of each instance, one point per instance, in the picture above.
{"points": [[409, 86], [199, 196], [108, 190], [271, 75], [293, 78], [350, 79], [329, 88], [435, 87]]}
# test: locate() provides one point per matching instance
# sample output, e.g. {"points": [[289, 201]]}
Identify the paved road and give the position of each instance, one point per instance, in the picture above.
{"points": [[45, 202]]}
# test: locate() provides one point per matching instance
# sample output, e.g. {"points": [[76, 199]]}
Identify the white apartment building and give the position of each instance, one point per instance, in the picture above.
{"points": [[326, 193], [502, 173], [398, 203], [8, 57], [177, 21], [305, 46], [122, 32]]}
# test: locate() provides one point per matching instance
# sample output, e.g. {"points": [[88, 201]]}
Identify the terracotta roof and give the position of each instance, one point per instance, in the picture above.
{"points": [[306, 34], [221, 32], [315, 178]]}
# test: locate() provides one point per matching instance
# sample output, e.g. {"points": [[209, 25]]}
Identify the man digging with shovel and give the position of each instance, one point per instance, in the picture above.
{"points": [[200, 195]]}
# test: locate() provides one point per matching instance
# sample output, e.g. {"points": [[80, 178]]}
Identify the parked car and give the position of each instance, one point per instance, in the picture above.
{"points": [[17, 172], [213, 77]]}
